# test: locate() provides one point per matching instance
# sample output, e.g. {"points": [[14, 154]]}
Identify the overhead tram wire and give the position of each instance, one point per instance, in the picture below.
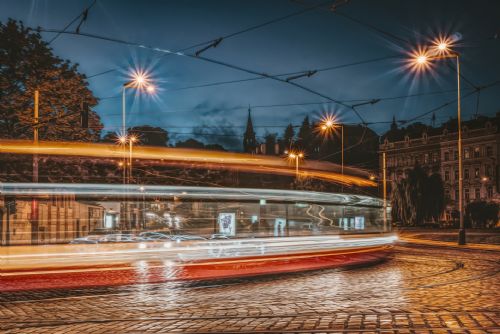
{"points": [[209, 60], [211, 84], [82, 14], [218, 40]]}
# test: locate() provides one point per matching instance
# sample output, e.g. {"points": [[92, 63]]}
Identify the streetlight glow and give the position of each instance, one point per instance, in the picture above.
{"points": [[422, 59], [151, 89]]}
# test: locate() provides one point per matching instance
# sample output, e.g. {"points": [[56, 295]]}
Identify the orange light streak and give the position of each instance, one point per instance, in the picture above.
{"points": [[213, 159]]}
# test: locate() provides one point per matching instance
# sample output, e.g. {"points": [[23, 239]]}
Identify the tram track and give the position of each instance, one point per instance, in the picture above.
{"points": [[342, 326], [186, 286]]}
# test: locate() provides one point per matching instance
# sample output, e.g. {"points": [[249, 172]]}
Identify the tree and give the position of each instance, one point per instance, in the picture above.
{"points": [[480, 213], [435, 197], [28, 64], [190, 143], [288, 136], [148, 135], [305, 135], [417, 198], [270, 139]]}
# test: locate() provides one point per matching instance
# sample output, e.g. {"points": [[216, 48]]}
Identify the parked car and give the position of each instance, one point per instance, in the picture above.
{"points": [[186, 237], [121, 238], [219, 236], [155, 236], [90, 239]]}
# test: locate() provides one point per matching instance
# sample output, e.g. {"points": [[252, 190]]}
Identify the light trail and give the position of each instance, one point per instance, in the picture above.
{"points": [[187, 192], [208, 159]]}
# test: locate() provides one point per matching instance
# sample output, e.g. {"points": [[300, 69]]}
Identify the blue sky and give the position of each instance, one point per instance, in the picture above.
{"points": [[313, 40]]}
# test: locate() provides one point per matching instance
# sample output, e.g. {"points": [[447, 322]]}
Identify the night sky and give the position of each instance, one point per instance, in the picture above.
{"points": [[316, 39]]}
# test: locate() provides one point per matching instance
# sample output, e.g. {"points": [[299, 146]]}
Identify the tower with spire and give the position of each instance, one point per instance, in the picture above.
{"points": [[249, 141]]}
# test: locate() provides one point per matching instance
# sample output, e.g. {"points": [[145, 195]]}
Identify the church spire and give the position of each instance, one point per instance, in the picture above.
{"points": [[249, 141]]}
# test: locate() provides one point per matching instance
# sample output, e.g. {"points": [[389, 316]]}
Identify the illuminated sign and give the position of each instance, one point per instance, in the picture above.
{"points": [[279, 227], [359, 223], [227, 223]]}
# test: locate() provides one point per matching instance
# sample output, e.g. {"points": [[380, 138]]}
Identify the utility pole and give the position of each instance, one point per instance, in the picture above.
{"points": [[384, 171], [34, 203]]}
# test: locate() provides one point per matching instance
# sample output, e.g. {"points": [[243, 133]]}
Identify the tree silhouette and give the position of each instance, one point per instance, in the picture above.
{"points": [[417, 198], [288, 136], [28, 64]]}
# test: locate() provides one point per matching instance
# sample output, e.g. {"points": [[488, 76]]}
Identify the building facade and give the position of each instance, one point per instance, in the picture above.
{"points": [[435, 150], [54, 219]]}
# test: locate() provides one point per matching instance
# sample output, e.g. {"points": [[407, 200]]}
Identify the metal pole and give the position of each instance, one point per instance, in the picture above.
{"points": [[130, 159], [384, 171], [125, 136], [34, 204], [342, 149], [461, 232], [297, 166]]}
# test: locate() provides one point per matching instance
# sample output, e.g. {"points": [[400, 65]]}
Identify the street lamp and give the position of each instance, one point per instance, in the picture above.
{"points": [[141, 81], [296, 156], [421, 61], [131, 140], [327, 125]]}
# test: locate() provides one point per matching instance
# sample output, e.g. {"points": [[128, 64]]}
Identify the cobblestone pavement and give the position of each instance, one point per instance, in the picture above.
{"points": [[419, 290]]}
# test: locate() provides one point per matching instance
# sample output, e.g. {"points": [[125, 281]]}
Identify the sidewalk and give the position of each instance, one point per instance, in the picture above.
{"points": [[407, 239]]}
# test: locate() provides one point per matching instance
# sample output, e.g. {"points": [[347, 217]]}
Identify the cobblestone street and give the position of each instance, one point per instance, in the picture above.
{"points": [[419, 290]]}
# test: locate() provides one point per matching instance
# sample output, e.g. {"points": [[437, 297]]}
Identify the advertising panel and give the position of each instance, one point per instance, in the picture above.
{"points": [[359, 223], [227, 223], [279, 227]]}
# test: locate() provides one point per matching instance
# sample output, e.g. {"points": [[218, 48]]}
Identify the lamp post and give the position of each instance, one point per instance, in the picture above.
{"points": [[441, 50], [131, 140], [296, 157], [328, 125], [142, 82]]}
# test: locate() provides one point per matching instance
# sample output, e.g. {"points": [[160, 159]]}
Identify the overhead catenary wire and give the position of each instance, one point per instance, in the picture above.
{"points": [[213, 61], [217, 41], [83, 14]]}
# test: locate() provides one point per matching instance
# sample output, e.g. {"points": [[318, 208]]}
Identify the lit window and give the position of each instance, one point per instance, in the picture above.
{"points": [[476, 173], [466, 153], [467, 195], [477, 152]]}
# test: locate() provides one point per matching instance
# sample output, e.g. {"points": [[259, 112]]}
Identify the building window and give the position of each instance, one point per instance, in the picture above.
{"points": [[490, 192], [456, 174], [447, 175], [477, 193], [447, 193], [476, 172], [466, 173], [487, 170], [477, 152], [456, 195], [489, 151], [455, 155], [446, 156], [467, 195], [426, 158], [466, 153]]}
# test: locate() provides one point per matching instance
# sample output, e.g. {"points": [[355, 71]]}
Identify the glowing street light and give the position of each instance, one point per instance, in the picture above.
{"points": [[328, 124], [132, 139], [441, 49], [141, 81], [296, 156]]}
